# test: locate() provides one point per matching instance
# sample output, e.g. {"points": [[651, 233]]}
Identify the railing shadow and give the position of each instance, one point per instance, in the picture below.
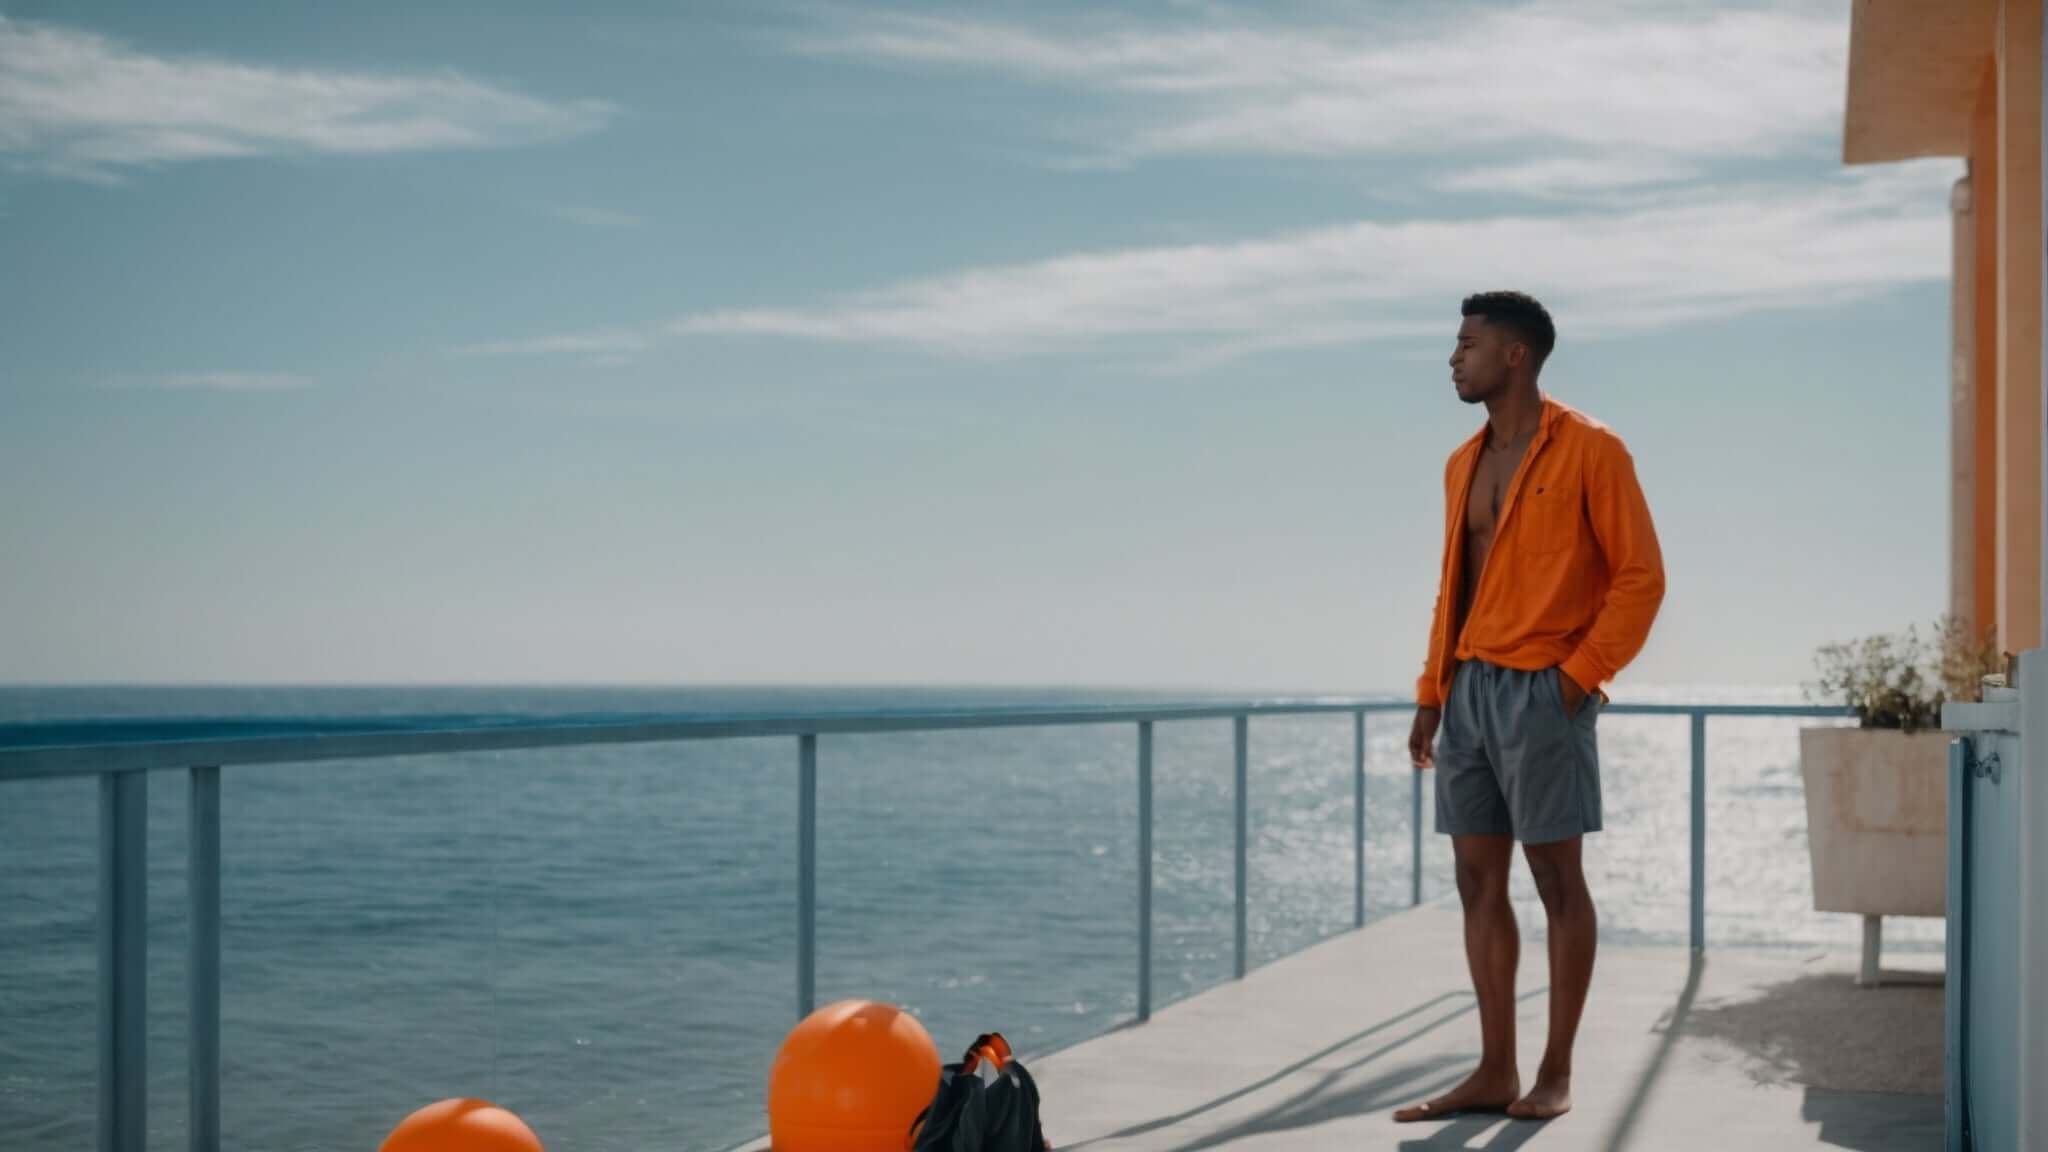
{"points": [[1460, 1134], [1325, 1100], [1653, 1069], [1814, 1027]]}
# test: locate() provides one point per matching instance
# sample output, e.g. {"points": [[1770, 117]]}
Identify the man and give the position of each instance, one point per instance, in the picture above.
{"points": [[1551, 578]]}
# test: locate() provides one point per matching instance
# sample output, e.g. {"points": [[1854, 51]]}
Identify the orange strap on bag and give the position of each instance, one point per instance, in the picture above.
{"points": [[990, 1046]]}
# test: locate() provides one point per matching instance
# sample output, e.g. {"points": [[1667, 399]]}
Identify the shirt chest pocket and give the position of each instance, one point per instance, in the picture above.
{"points": [[1550, 518]]}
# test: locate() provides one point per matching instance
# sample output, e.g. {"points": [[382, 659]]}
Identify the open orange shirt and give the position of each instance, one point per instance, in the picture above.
{"points": [[1575, 576]]}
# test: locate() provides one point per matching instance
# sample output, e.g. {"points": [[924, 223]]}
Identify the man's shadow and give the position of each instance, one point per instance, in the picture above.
{"points": [[1463, 1131]]}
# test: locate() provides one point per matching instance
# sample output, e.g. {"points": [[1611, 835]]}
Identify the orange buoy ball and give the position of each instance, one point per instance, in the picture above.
{"points": [[851, 1078], [461, 1126]]}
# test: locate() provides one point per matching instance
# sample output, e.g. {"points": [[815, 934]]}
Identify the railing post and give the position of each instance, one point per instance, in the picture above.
{"points": [[1144, 870], [1956, 986], [1415, 828], [1358, 819], [807, 875], [1699, 831], [1242, 727], [203, 889], [123, 959]]}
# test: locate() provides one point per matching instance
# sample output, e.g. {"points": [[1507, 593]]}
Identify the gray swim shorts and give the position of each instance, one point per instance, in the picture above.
{"points": [[1509, 762]]}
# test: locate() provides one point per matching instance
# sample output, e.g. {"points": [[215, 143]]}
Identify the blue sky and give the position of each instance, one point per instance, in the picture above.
{"points": [[822, 342]]}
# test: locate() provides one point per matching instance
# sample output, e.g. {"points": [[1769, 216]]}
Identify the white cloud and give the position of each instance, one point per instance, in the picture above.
{"points": [[81, 105], [1634, 127], [212, 382], [606, 342], [1671, 258], [1564, 178], [1599, 85]]}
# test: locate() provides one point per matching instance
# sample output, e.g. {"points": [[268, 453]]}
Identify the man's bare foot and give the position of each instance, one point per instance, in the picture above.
{"points": [[1551, 1098], [1483, 1091]]}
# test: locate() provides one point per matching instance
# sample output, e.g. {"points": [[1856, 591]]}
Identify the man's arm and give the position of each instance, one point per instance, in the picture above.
{"points": [[1427, 693], [1428, 697], [1428, 700], [1621, 524]]}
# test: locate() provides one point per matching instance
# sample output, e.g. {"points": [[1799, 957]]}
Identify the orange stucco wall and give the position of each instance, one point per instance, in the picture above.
{"points": [[1983, 570], [2019, 324]]}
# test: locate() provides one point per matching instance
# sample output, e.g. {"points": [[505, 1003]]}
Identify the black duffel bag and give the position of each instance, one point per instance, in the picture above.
{"points": [[985, 1103]]}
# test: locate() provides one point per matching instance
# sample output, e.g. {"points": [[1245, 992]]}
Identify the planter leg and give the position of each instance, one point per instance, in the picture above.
{"points": [[1873, 945]]}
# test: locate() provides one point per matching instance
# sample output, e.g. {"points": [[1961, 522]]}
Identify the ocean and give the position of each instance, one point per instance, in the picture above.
{"points": [[604, 939]]}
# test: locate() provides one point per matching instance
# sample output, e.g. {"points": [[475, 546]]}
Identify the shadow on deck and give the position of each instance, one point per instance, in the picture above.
{"points": [[1740, 1049]]}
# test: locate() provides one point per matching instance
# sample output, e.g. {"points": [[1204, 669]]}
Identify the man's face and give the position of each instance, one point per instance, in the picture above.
{"points": [[1480, 362]]}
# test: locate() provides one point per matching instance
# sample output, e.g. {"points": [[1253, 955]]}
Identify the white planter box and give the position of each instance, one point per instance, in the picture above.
{"points": [[1876, 825]]}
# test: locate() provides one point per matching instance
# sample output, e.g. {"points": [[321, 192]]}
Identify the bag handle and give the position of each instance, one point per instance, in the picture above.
{"points": [[989, 1046]]}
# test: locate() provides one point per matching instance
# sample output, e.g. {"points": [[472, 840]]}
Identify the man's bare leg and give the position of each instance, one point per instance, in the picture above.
{"points": [[1493, 946], [1574, 934]]}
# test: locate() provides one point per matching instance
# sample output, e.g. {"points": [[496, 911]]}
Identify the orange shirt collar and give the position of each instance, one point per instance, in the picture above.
{"points": [[1553, 411]]}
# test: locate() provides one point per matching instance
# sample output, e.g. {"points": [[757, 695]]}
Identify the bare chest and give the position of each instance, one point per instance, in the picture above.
{"points": [[1490, 481]]}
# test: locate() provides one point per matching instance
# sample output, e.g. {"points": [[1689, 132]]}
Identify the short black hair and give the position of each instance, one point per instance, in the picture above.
{"points": [[1519, 313]]}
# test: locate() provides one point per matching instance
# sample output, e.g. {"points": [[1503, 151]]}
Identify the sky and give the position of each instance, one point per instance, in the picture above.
{"points": [[1056, 343]]}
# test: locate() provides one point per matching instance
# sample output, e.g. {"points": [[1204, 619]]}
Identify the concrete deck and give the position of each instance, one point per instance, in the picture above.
{"points": [[1744, 1050]]}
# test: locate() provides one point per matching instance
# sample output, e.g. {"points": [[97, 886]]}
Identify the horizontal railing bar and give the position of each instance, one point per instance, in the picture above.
{"points": [[135, 755], [1779, 711], [20, 758]]}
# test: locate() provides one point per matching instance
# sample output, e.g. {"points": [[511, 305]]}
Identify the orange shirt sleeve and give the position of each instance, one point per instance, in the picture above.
{"points": [[1427, 694], [1620, 518]]}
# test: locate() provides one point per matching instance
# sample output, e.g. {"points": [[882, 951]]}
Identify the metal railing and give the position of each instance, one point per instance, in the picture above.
{"points": [[122, 754]]}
